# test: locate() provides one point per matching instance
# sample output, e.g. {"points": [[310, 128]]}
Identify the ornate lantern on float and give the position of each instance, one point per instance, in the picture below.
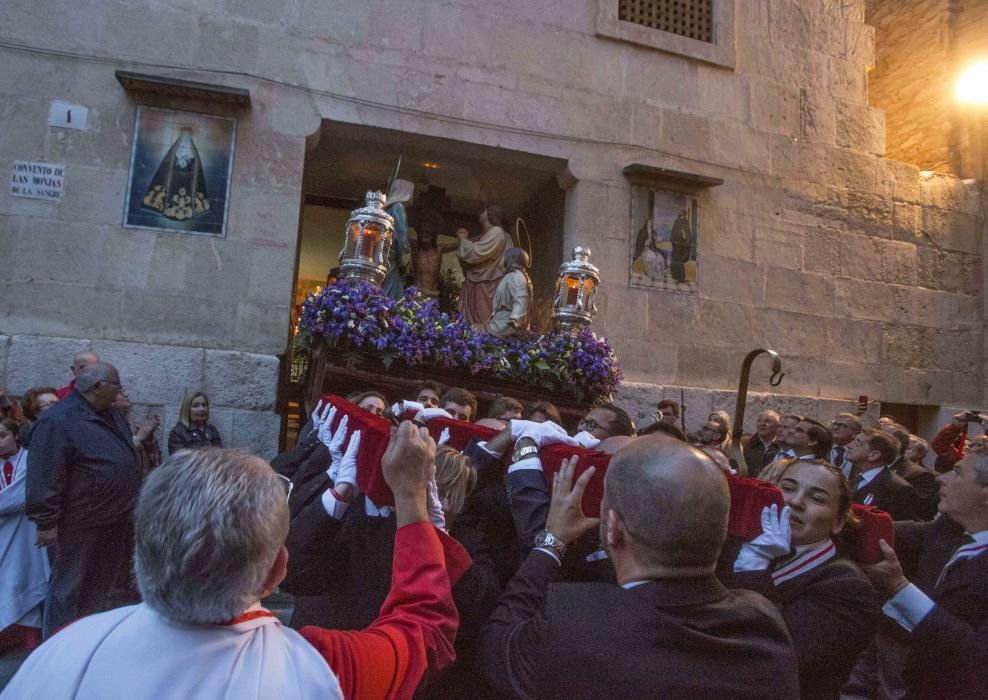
{"points": [[576, 287], [369, 233]]}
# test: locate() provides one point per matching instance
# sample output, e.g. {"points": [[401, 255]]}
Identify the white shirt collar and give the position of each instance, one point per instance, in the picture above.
{"points": [[979, 537], [867, 476], [632, 584]]}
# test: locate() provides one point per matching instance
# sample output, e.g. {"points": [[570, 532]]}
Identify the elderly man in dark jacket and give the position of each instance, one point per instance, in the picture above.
{"points": [[82, 483]]}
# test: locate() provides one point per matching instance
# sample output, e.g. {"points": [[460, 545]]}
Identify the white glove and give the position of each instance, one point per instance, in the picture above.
{"points": [[315, 417], [344, 470], [443, 437], [399, 409], [427, 414], [436, 514], [775, 541], [335, 443], [542, 434], [325, 424]]}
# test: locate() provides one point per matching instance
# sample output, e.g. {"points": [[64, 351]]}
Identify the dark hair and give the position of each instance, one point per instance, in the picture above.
{"points": [[544, 407], [29, 402], [900, 433], [11, 425], [621, 424], [882, 442], [821, 436], [502, 404], [430, 385], [669, 403], [461, 396], [660, 427], [495, 215], [793, 416]]}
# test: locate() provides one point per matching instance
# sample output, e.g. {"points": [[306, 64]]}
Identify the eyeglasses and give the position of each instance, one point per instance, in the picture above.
{"points": [[835, 424], [289, 485], [590, 425]]}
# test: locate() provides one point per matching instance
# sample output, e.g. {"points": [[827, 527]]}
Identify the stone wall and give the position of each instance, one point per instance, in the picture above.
{"points": [[922, 46], [865, 276]]}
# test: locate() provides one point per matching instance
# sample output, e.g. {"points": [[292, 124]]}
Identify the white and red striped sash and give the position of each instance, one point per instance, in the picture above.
{"points": [[804, 562]]}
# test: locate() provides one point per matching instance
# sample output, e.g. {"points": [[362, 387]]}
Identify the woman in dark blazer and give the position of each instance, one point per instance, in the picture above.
{"points": [[193, 429], [829, 606]]}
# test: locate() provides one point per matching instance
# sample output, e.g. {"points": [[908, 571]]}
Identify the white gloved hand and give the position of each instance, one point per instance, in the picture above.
{"points": [[335, 443], [427, 414], [399, 409], [775, 541], [443, 437], [325, 425], [436, 514], [345, 468], [542, 434], [316, 415]]}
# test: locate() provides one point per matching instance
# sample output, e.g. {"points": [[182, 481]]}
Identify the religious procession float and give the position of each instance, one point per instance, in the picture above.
{"points": [[362, 330]]}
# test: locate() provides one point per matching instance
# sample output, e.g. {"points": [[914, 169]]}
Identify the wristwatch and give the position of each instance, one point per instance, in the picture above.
{"points": [[547, 540], [524, 452]]}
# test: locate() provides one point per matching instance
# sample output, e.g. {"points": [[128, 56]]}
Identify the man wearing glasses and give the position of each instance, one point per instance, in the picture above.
{"points": [[844, 428], [82, 482]]}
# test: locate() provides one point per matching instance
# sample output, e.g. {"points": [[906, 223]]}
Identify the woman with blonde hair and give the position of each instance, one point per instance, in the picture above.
{"points": [[455, 479], [193, 429]]}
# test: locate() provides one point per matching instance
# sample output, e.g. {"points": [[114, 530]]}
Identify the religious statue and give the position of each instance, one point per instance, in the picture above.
{"points": [[399, 257], [512, 296], [482, 261], [682, 241], [426, 255]]}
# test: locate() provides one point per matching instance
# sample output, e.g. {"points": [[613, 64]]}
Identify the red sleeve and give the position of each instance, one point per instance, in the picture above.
{"points": [[416, 628]]}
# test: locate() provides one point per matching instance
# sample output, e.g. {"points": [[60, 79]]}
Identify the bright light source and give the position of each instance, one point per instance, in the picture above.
{"points": [[972, 87]]}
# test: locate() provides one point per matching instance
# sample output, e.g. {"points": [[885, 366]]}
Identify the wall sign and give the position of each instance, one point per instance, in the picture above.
{"points": [[36, 180], [180, 172]]}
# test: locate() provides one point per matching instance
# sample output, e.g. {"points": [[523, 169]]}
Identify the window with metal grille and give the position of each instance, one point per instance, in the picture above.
{"points": [[689, 18]]}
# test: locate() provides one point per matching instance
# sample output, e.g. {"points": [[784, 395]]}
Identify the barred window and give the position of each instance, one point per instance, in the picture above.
{"points": [[689, 18]]}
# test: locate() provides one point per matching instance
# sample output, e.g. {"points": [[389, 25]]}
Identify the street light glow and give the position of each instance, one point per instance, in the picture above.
{"points": [[972, 87]]}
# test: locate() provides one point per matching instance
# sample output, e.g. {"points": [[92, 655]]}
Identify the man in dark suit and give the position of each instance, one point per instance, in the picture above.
{"points": [[761, 448], [874, 483], [922, 480], [945, 608], [669, 628]]}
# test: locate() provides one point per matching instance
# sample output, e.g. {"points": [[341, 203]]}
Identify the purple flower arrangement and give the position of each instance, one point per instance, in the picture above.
{"points": [[353, 319]]}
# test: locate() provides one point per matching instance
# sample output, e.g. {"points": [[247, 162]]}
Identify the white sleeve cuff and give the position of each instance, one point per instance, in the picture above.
{"points": [[335, 508], [483, 445], [908, 607], [550, 553], [529, 463]]}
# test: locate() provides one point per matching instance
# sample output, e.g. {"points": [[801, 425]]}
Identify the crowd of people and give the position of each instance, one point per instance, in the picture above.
{"points": [[482, 575]]}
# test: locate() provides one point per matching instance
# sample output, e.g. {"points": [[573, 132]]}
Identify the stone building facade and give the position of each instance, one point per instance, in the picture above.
{"points": [[865, 274]]}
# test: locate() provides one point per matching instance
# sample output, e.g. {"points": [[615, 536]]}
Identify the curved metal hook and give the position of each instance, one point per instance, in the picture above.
{"points": [[742, 398]]}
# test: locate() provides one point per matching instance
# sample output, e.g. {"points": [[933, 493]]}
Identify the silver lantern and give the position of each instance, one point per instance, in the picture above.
{"points": [[369, 234], [576, 287]]}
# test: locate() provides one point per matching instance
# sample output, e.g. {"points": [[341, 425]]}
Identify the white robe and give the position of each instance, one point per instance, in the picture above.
{"points": [[133, 653], [24, 568]]}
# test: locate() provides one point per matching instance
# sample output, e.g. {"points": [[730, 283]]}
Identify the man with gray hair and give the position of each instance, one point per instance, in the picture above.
{"points": [[943, 605], [210, 531], [669, 628], [83, 476]]}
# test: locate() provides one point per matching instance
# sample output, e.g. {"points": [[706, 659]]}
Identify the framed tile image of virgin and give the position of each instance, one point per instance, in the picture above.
{"points": [[180, 167]]}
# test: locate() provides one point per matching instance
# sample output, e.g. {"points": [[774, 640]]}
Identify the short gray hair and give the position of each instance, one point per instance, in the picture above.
{"points": [[209, 525], [91, 374]]}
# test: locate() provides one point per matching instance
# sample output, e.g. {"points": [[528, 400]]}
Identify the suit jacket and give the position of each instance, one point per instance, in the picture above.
{"points": [[924, 482], [948, 649], [687, 638], [757, 454], [287, 463], [891, 493], [832, 613]]}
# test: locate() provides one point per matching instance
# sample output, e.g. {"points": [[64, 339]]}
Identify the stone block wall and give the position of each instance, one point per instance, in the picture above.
{"points": [[865, 275]]}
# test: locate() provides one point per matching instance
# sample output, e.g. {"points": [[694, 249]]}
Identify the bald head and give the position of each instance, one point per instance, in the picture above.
{"points": [[100, 384], [81, 360], [673, 500]]}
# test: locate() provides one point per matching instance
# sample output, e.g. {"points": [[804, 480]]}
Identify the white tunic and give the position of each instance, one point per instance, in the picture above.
{"points": [[24, 568], [133, 653]]}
